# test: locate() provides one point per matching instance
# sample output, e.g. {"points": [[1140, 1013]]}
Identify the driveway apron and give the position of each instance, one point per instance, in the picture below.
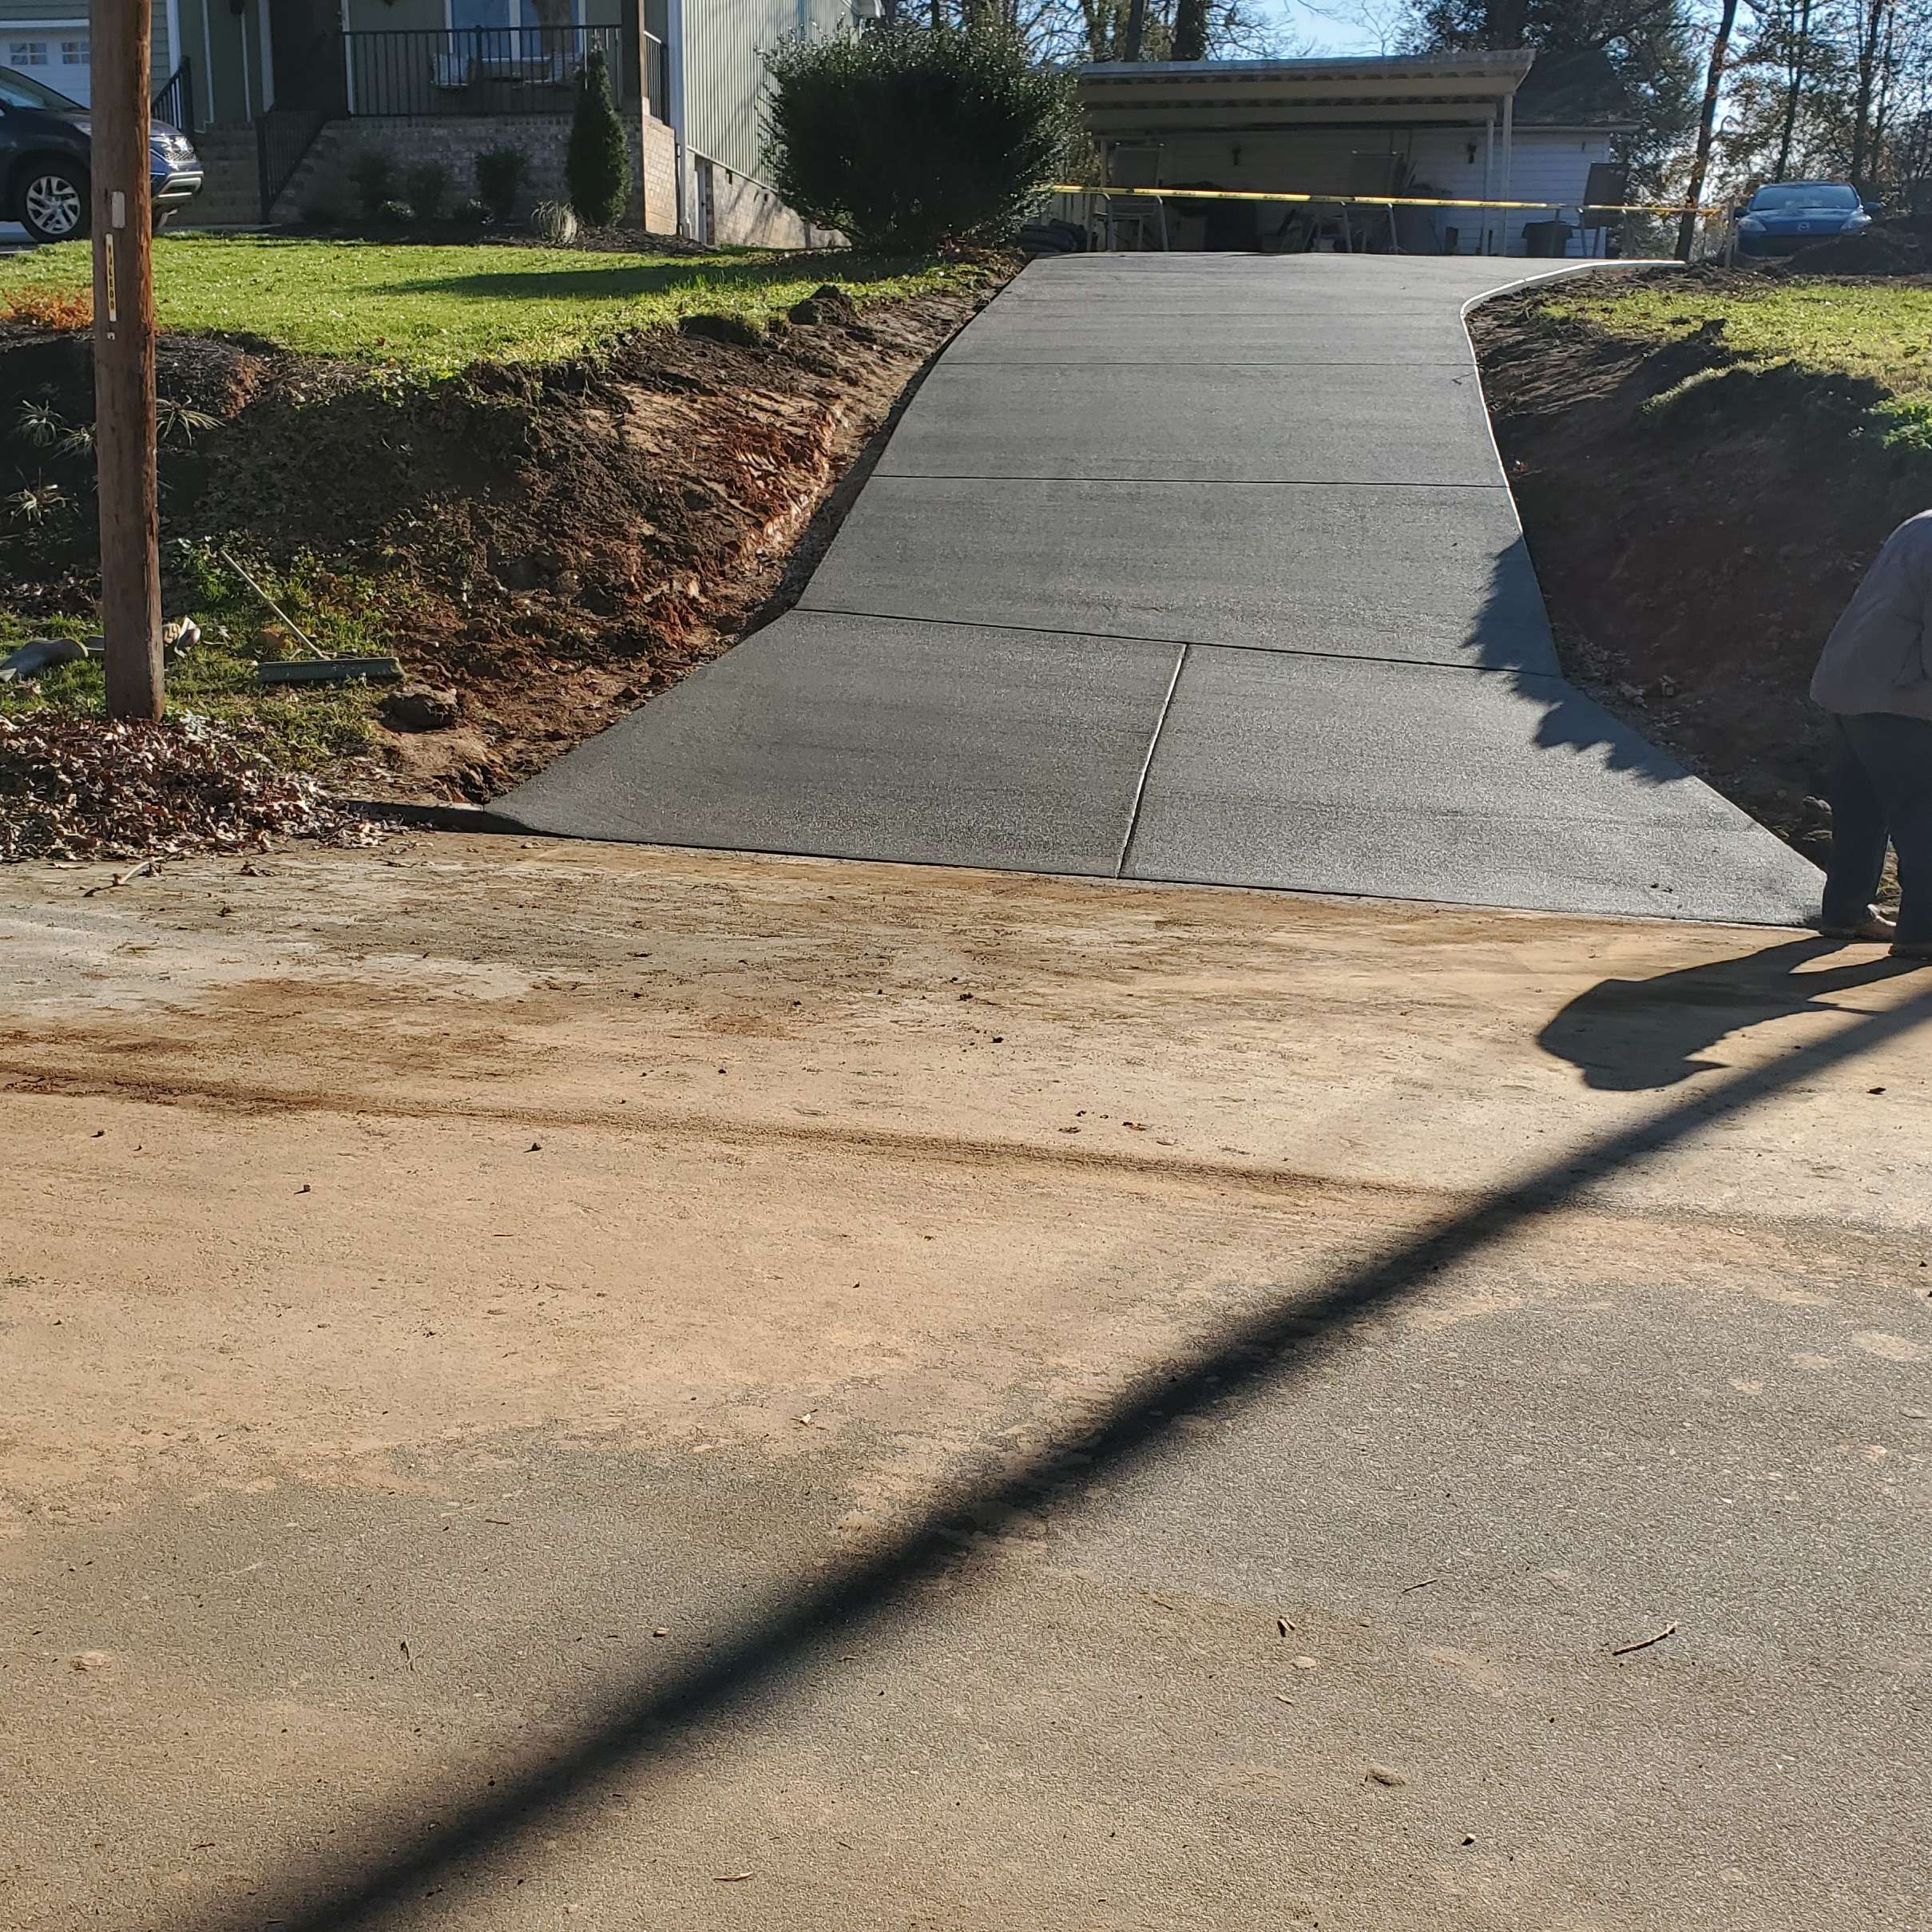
{"points": [[1190, 568]]}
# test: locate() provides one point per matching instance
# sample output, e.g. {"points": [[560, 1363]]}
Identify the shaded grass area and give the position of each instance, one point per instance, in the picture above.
{"points": [[1875, 335], [436, 308], [304, 729]]}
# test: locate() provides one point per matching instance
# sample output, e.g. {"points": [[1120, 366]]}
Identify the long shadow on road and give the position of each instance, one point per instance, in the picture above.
{"points": [[1264, 1350]]}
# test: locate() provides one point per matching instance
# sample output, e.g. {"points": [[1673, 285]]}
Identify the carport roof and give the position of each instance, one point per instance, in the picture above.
{"points": [[1144, 97]]}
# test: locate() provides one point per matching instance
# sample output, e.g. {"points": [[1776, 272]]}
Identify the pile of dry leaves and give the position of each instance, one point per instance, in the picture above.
{"points": [[80, 787]]}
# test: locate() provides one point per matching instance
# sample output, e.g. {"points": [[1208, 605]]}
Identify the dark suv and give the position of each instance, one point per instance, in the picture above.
{"points": [[44, 152]]}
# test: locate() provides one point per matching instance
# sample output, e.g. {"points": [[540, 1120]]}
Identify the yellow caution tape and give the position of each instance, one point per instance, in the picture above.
{"points": [[1230, 194]]}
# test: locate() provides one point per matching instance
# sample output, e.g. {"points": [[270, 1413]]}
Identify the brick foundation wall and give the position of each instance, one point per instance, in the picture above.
{"points": [[745, 213], [456, 140], [659, 175]]}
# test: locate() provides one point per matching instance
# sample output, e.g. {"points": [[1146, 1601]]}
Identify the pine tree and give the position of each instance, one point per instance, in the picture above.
{"points": [[598, 166]]}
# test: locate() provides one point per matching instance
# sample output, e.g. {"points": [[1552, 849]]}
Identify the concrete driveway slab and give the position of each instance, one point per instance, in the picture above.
{"points": [[1094, 481], [1095, 331], [1268, 566], [1417, 782], [922, 742], [1208, 421]]}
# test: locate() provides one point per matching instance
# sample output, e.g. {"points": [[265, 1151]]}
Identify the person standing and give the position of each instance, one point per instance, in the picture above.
{"points": [[1875, 681]]}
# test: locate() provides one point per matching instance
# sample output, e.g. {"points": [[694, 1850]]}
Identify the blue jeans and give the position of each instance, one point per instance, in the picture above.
{"points": [[1880, 791]]}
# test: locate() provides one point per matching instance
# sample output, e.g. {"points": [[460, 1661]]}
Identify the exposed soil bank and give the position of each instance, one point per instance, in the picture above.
{"points": [[1694, 554], [556, 543]]}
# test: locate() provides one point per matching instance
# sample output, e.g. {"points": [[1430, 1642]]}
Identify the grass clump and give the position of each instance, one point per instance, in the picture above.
{"points": [[1877, 334]]}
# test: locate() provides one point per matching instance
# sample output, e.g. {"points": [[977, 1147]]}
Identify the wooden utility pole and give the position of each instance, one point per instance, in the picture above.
{"points": [[123, 361]]}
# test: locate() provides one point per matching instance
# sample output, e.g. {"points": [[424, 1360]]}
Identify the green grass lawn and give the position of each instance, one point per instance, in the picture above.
{"points": [[1874, 331], [432, 308]]}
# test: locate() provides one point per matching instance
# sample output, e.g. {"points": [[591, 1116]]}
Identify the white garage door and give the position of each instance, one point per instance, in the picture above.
{"points": [[57, 57]]}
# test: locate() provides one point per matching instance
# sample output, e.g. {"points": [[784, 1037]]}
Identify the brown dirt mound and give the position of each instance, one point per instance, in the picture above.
{"points": [[1692, 561], [558, 543], [1887, 251]]}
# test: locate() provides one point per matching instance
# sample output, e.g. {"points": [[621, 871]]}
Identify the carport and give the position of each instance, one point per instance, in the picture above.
{"points": [[1342, 127]]}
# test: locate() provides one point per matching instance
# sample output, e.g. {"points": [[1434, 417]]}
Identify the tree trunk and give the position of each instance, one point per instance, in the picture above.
{"points": [[1706, 126], [1872, 17], [1137, 30], [1191, 30], [1797, 58]]}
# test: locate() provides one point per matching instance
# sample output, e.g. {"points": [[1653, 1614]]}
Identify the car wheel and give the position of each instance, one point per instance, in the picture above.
{"points": [[54, 201], [160, 219]]}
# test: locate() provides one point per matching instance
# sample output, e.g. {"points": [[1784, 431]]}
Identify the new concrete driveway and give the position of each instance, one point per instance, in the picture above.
{"points": [[1187, 568]]}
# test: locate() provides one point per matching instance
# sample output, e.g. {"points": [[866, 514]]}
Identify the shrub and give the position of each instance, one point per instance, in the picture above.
{"points": [[395, 214], [598, 166], [500, 172], [912, 137], [554, 222], [471, 213], [426, 188], [372, 174]]}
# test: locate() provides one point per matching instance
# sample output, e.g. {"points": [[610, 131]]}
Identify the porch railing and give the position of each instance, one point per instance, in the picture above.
{"points": [[391, 72], [287, 131], [175, 103]]}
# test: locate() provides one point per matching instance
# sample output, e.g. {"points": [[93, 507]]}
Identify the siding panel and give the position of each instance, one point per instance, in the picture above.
{"points": [[724, 44]]}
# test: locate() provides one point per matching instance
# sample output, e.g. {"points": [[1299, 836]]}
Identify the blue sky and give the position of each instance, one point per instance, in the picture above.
{"points": [[1299, 24]]}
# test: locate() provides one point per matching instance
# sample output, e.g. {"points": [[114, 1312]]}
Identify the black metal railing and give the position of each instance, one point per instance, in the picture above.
{"points": [[175, 103], [287, 131], [282, 137], [391, 72]]}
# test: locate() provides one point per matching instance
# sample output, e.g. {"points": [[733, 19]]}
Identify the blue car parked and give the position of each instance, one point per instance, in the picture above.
{"points": [[45, 152], [1784, 216]]}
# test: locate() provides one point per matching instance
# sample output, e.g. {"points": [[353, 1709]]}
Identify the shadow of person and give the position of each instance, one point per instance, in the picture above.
{"points": [[1628, 1035]]}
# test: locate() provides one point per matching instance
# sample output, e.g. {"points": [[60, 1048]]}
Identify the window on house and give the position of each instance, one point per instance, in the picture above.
{"points": [[26, 53], [74, 54]]}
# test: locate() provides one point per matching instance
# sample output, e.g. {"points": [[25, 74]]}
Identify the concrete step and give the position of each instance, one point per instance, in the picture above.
{"points": [[232, 196]]}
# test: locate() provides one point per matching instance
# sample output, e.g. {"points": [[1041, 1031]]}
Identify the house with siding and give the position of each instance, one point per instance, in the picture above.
{"points": [[280, 95], [1467, 127]]}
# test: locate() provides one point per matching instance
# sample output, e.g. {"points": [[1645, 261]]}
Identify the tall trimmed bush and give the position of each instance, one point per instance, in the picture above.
{"points": [[597, 167], [911, 138]]}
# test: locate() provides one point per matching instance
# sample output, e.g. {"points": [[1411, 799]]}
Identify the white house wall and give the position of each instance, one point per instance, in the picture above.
{"points": [[1317, 160], [1548, 167]]}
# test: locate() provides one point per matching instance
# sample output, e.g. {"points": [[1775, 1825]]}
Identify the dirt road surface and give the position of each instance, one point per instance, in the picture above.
{"points": [[554, 1386]]}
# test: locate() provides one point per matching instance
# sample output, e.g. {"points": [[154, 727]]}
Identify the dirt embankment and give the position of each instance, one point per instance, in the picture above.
{"points": [[1696, 542], [558, 543]]}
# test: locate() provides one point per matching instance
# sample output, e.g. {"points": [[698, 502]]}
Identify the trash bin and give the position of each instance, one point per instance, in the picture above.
{"points": [[1543, 239]]}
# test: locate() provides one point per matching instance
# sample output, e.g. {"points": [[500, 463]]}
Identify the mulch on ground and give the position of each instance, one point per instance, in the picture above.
{"points": [[81, 788]]}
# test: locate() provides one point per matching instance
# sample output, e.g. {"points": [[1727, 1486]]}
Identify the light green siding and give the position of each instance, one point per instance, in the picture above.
{"points": [[63, 19], [724, 44], [215, 39]]}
